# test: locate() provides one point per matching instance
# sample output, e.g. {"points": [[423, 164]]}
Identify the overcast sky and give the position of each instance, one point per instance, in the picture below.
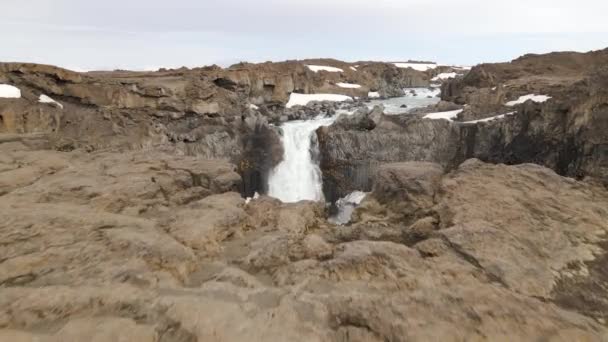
{"points": [[140, 34]]}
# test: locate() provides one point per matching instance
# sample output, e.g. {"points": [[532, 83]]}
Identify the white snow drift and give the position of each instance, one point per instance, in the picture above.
{"points": [[450, 115], [348, 85], [317, 68], [45, 99], [373, 95], [353, 68], [522, 99], [444, 76], [296, 99], [417, 66], [496, 117], [9, 91]]}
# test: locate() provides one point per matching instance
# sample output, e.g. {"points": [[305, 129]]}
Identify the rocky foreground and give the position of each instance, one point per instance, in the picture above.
{"points": [[144, 246], [123, 214]]}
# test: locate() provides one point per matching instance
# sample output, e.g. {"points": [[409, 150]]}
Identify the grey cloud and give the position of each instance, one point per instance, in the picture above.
{"points": [[137, 33]]}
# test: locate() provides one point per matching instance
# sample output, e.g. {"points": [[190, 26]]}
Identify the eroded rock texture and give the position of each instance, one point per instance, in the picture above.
{"points": [[568, 133], [145, 246], [122, 215]]}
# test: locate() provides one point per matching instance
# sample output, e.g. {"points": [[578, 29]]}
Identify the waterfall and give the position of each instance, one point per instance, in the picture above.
{"points": [[298, 177]]}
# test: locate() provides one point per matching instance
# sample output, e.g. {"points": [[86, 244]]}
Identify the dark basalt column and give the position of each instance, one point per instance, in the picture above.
{"points": [[262, 151]]}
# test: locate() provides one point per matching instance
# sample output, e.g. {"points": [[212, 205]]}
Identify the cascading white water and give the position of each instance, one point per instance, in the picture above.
{"points": [[298, 176]]}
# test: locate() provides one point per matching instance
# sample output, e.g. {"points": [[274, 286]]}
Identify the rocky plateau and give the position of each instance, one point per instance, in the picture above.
{"points": [[126, 209]]}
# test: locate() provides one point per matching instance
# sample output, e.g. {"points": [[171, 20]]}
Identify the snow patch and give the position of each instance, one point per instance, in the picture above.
{"points": [[373, 94], [444, 76], [45, 99], [522, 99], [252, 106], [9, 91], [348, 85], [417, 66], [496, 117], [450, 115], [353, 68], [317, 68], [296, 99]]}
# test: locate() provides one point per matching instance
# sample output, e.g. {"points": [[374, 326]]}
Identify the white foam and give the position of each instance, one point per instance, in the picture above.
{"points": [[255, 197], [373, 94], [317, 68], [449, 115], [422, 92], [346, 206], [444, 76], [296, 99], [9, 91], [45, 99], [532, 97], [417, 66], [348, 85]]}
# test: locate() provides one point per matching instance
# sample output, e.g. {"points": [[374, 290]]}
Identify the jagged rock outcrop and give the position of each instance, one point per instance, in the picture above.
{"points": [[567, 133], [350, 155]]}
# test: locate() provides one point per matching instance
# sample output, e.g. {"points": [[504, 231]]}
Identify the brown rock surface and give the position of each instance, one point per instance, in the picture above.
{"points": [[120, 217], [147, 246]]}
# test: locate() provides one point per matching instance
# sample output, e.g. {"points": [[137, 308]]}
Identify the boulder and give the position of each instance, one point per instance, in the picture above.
{"points": [[408, 188]]}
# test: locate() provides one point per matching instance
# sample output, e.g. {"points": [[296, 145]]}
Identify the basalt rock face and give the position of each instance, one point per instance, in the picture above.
{"points": [[115, 101], [262, 151], [351, 150], [121, 109], [271, 83], [568, 133], [207, 112]]}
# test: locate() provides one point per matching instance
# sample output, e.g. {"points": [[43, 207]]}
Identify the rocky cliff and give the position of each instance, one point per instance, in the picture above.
{"points": [[208, 112], [143, 108], [568, 132]]}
